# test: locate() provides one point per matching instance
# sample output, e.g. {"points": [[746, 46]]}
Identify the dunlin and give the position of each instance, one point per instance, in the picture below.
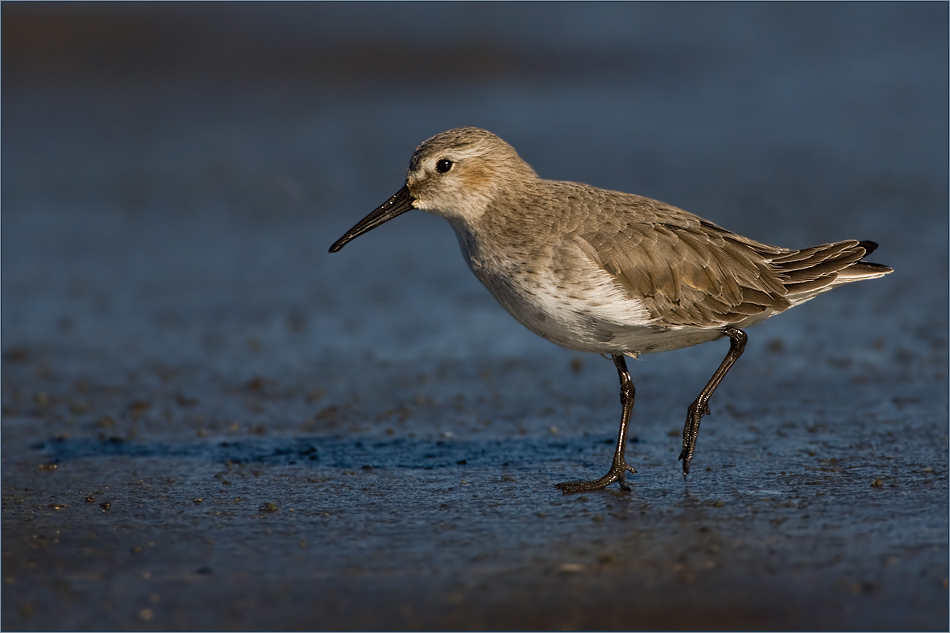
{"points": [[609, 272]]}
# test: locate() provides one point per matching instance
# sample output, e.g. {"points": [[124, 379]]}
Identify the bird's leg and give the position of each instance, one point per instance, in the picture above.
{"points": [[619, 465], [700, 406]]}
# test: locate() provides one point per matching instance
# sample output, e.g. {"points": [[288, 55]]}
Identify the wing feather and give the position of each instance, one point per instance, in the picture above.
{"points": [[689, 272]]}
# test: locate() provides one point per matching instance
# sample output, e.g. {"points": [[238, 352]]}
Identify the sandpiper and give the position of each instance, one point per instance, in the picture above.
{"points": [[609, 272]]}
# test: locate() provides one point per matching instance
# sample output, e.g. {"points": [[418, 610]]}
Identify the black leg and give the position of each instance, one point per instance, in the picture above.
{"points": [[619, 465], [700, 406]]}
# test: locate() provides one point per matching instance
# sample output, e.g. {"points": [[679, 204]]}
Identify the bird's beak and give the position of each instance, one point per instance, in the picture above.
{"points": [[397, 205]]}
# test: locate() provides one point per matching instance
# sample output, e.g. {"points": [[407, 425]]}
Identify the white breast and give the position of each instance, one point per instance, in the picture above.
{"points": [[566, 298]]}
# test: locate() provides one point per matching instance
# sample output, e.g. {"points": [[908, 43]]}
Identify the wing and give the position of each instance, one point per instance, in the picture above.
{"points": [[688, 272]]}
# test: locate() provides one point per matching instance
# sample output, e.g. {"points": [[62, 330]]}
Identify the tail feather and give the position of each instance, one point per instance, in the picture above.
{"points": [[811, 271], [864, 270], [807, 257], [868, 246], [805, 287]]}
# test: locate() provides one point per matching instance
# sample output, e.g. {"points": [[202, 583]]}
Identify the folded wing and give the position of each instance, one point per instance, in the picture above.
{"points": [[689, 272]]}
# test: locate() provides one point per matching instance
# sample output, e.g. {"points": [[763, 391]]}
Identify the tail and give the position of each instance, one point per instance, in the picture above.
{"points": [[811, 271]]}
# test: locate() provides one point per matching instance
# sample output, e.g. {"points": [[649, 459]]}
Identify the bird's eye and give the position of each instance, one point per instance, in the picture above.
{"points": [[443, 165]]}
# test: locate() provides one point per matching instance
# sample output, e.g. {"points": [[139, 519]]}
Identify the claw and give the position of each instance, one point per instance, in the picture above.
{"points": [[616, 473]]}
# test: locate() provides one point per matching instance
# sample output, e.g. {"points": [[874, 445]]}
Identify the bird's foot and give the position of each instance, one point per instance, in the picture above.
{"points": [[691, 431], [615, 473]]}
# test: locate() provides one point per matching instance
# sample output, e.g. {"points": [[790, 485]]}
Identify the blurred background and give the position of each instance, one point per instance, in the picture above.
{"points": [[184, 159], [174, 173]]}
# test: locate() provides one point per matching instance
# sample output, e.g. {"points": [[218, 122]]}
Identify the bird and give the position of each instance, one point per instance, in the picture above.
{"points": [[607, 272]]}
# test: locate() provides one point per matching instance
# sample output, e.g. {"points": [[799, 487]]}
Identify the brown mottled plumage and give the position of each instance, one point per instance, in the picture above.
{"points": [[609, 272]]}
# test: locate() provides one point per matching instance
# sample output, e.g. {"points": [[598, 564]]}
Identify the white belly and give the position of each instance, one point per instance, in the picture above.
{"points": [[567, 299]]}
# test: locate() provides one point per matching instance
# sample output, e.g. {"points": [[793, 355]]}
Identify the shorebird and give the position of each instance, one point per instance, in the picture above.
{"points": [[609, 272]]}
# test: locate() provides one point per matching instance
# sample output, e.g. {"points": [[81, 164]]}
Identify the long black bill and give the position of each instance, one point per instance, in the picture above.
{"points": [[397, 205]]}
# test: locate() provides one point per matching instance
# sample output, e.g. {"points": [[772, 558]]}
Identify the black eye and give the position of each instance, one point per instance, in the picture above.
{"points": [[443, 165]]}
